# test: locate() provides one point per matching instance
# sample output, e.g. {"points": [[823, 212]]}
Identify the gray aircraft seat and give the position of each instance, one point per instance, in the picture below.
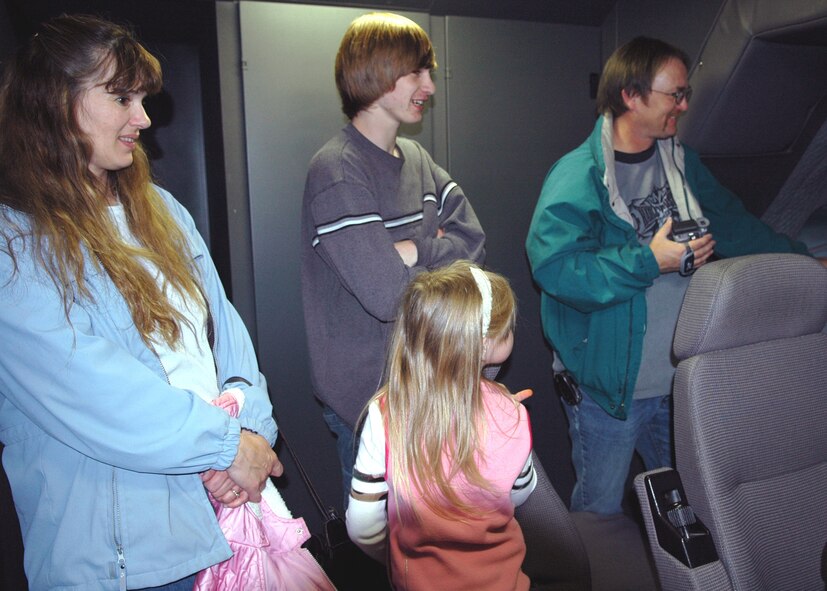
{"points": [[747, 507], [556, 559], [760, 98], [581, 551]]}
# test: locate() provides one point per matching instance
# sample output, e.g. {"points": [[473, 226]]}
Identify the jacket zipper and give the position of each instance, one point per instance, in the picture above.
{"points": [[116, 507], [161, 365]]}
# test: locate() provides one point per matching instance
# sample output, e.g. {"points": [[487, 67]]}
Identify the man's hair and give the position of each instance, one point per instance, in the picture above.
{"points": [[376, 50], [632, 67]]}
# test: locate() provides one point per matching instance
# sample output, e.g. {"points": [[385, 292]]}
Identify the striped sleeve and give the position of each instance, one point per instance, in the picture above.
{"points": [[525, 483], [366, 515]]}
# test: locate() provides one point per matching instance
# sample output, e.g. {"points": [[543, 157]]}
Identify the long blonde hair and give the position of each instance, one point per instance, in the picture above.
{"points": [[431, 402], [44, 172]]}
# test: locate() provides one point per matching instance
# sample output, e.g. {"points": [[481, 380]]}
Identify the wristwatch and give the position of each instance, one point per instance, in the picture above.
{"points": [[687, 262]]}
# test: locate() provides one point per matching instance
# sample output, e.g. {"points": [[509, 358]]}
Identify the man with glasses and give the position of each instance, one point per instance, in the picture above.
{"points": [[621, 223]]}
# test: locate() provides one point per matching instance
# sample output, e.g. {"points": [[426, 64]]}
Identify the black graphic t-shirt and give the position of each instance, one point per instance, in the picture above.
{"points": [[643, 186]]}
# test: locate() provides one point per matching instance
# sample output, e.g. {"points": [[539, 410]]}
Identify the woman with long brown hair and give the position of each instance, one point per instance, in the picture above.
{"points": [[115, 331]]}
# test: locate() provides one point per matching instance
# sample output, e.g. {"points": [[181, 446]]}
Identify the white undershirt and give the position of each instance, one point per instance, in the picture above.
{"points": [[190, 365]]}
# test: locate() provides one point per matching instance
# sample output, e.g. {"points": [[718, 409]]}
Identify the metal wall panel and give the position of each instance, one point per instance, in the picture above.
{"points": [[291, 109]]}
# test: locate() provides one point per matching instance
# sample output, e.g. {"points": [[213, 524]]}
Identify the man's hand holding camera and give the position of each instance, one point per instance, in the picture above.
{"points": [[670, 254]]}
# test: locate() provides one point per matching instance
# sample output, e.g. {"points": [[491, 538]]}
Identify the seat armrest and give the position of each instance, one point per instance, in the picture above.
{"points": [[682, 546]]}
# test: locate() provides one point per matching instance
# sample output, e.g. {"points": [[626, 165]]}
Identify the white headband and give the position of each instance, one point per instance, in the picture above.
{"points": [[484, 285]]}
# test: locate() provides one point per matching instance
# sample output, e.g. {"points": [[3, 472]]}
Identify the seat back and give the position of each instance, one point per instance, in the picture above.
{"points": [[750, 410], [556, 558]]}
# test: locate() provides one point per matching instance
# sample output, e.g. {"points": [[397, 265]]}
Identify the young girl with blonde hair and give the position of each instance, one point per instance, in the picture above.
{"points": [[445, 454]]}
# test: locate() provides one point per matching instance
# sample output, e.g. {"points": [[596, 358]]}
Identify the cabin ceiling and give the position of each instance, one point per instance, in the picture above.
{"points": [[571, 12]]}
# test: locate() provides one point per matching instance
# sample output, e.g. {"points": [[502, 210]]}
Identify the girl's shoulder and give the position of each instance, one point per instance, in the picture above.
{"points": [[375, 415], [494, 390], [500, 402], [372, 437]]}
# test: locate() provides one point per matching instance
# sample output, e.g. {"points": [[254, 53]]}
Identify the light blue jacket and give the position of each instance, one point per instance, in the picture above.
{"points": [[103, 455]]}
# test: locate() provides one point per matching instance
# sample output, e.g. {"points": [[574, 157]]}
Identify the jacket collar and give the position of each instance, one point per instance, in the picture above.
{"points": [[672, 155]]}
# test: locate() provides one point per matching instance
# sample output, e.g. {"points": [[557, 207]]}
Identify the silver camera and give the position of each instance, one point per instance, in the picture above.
{"points": [[686, 230]]}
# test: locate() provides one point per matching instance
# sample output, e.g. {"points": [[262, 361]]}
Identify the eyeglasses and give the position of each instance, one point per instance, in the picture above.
{"points": [[678, 95]]}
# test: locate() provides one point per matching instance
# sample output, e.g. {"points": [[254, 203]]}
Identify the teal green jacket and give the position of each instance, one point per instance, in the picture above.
{"points": [[593, 272]]}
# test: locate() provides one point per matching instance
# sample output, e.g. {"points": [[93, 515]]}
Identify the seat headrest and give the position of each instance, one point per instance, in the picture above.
{"points": [[750, 299]]}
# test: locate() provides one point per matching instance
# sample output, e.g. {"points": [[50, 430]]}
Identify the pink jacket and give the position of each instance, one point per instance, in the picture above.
{"points": [[267, 552]]}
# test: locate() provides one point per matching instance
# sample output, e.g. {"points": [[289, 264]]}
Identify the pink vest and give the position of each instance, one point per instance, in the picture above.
{"points": [[476, 554]]}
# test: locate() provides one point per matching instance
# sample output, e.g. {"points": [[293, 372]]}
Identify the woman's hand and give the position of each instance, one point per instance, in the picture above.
{"points": [[223, 488], [254, 463]]}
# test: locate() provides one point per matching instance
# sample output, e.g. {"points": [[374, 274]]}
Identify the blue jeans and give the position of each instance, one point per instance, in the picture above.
{"points": [[182, 585], [345, 445], [602, 448]]}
